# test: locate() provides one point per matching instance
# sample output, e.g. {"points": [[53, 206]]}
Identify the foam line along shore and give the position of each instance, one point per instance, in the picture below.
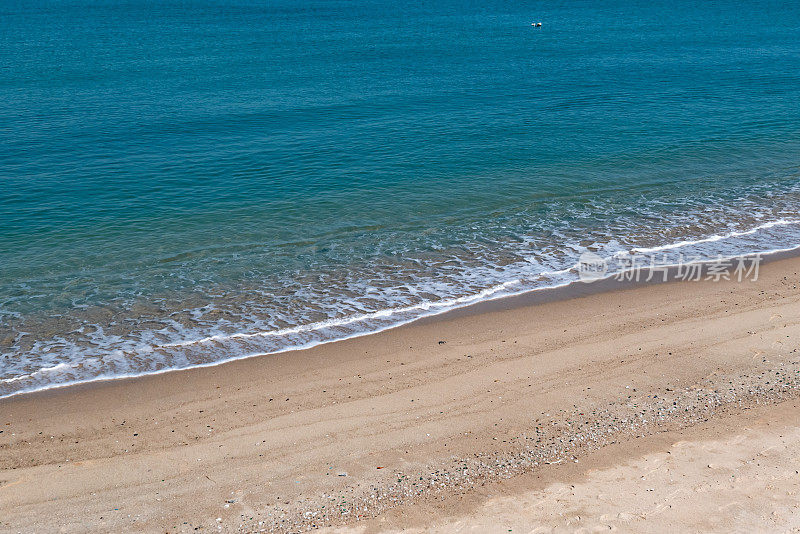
{"points": [[222, 348]]}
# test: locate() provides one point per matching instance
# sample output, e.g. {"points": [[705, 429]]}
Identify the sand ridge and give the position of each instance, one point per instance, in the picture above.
{"points": [[743, 479]]}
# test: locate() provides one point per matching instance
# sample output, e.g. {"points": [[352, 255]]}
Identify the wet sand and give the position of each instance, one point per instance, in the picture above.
{"points": [[449, 424]]}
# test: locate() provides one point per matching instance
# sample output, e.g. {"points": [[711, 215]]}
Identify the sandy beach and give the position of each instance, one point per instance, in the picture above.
{"points": [[357, 267], [668, 406]]}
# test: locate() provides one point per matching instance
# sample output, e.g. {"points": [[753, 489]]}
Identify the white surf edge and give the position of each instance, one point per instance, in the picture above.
{"points": [[469, 301]]}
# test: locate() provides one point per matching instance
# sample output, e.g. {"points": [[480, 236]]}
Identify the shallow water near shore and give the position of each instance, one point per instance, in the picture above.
{"points": [[186, 183]]}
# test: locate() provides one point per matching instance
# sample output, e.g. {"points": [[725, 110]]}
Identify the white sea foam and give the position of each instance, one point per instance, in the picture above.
{"points": [[97, 352], [715, 238]]}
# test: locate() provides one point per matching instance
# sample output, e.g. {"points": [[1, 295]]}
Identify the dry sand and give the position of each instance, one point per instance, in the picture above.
{"points": [[479, 433], [737, 474]]}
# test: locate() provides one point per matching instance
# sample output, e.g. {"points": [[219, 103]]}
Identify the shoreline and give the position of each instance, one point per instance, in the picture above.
{"points": [[569, 290], [348, 428]]}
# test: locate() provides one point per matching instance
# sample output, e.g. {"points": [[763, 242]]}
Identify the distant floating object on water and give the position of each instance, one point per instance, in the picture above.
{"points": [[536, 24]]}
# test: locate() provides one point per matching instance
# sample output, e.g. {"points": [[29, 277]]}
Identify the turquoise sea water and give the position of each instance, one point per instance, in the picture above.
{"points": [[185, 182]]}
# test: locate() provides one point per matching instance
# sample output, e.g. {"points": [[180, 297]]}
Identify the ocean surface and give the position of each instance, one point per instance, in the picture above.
{"points": [[187, 182]]}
